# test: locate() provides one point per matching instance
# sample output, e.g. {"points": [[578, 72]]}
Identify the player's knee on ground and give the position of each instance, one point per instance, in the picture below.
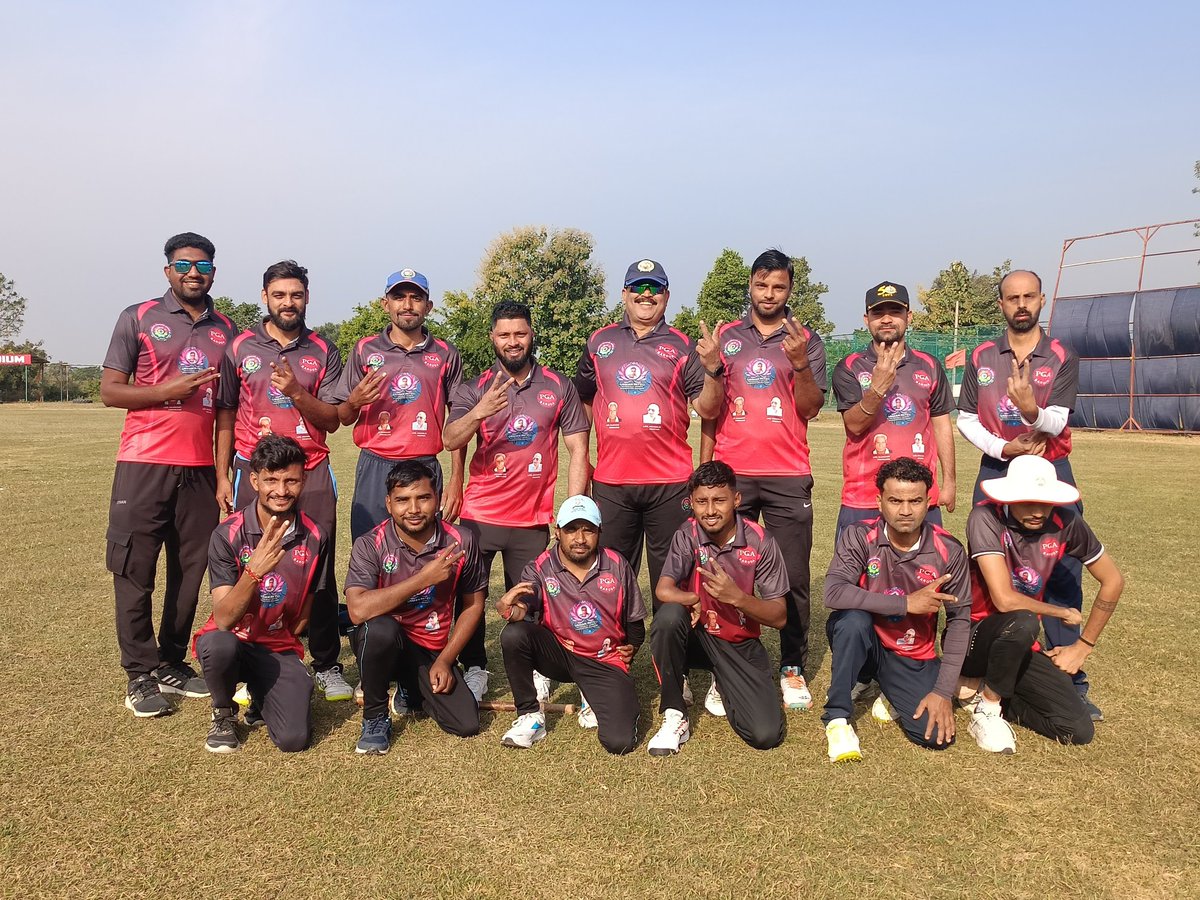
{"points": [[293, 738], [1078, 730], [461, 727], [766, 734], [916, 734], [619, 741]]}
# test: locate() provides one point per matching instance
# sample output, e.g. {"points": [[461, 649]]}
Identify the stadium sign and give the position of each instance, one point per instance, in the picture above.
{"points": [[16, 359]]}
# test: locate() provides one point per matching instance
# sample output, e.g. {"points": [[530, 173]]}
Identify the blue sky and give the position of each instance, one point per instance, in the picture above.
{"points": [[880, 141]]}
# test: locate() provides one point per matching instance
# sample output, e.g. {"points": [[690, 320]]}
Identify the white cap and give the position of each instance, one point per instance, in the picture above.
{"points": [[578, 507], [1030, 479]]}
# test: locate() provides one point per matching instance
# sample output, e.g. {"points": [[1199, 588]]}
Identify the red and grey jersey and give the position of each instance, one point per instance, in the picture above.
{"points": [[155, 342], [1030, 555], [902, 426], [278, 603], [406, 420], [380, 559], [262, 408], [1053, 374], [590, 618], [515, 466], [639, 389], [751, 558], [759, 432]]}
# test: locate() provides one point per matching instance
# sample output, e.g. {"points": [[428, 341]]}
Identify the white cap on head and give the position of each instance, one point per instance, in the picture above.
{"points": [[578, 507], [1030, 479]]}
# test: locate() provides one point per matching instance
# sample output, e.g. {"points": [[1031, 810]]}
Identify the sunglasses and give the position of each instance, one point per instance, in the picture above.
{"points": [[203, 266], [646, 287]]}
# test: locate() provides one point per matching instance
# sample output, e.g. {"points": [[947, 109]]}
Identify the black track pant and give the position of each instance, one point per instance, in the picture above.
{"points": [[857, 655], [609, 689], [279, 684], [368, 507], [631, 512], [1033, 691], [385, 654], [318, 501], [518, 547], [785, 504], [748, 684], [154, 506]]}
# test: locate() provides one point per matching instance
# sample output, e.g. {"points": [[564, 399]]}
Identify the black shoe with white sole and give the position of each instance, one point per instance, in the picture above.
{"points": [[145, 700], [223, 736], [180, 678]]}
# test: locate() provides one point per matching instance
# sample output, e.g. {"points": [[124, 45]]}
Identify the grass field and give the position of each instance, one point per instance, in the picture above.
{"points": [[96, 804]]}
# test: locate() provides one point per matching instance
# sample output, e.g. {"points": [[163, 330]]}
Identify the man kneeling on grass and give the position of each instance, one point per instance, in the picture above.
{"points": [[1015, 541], [724, 577], [405, 576], [265, 562], [888, 579], [577, 615]]}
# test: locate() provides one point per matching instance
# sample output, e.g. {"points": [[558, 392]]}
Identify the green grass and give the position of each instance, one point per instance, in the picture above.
{"points": [[96, 804]]}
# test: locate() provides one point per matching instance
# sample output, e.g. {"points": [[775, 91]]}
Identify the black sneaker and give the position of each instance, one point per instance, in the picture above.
{"points": [[1093, 710], [180, 678], [223, 736], [253, 717], [145, 700]]}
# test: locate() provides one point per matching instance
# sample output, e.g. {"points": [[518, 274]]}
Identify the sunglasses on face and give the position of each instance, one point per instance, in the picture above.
{"points": [[646, 287], [183, 266]]}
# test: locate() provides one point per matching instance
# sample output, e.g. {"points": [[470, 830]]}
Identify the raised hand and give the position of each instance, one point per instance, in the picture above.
{"points": [[368, 390], [283, 379], [720, 586], [269, 552], [183, 386], [513, 606], [929, 599], [707, 348], [888, 355], [495, 398], [795, 344], [442, 565], [1020, 391]]}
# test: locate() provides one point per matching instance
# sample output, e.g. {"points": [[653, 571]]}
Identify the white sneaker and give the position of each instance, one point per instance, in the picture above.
{"points": [[587, 715], [477, 680], [673, 732], [794, 688], [860, 690], [526, 731], [990, 730], [242, 695], [543, 685], [688, 700], [843, 742], [333, 684], [881, 710], [713, 702]]}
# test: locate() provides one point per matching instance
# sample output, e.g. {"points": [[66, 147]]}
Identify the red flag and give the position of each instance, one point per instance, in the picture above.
{"points": [[956, 359]]}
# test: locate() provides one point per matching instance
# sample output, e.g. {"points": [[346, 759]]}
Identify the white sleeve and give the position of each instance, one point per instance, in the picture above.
{"points": [[972, 429], [1051, 420]]}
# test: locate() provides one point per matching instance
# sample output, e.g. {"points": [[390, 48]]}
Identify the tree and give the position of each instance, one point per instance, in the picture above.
{"points": [[368, 318], [973, 293], [805, 299], [12, 309], [244, 315], [553, 273], [330, 331], [12, 378]]}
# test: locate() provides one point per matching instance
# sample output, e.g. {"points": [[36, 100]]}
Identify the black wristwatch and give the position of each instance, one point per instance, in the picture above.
{"points": [[717, 372]]}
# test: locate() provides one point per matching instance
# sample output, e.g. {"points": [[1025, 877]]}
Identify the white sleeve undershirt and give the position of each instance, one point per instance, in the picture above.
{"points": [[972, 429], [1051, 420]]}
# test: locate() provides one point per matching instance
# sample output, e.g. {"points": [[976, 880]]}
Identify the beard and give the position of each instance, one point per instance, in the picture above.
{"points": [[513, 366], [1023, 326], [283, 324]]}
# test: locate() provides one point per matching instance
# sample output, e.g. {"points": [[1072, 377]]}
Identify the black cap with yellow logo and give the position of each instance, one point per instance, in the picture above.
{"points": [[887, 292]]}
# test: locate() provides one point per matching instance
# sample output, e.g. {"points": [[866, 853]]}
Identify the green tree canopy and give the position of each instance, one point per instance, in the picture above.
{"points": [[244, 315], [368, 318], [973, 293], [12, 309], [329, 330], [805, 300], [552, 272]]}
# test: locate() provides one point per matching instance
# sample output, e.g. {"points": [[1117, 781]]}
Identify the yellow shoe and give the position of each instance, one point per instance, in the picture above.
{"points": [[843, 742]]}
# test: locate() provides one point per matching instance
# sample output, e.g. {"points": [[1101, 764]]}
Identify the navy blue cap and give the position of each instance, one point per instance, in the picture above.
{"points": [[646, 270], [407, 276]]}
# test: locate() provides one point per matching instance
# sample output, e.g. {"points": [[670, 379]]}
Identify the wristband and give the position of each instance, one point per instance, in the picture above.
{"points": [[1086, 641], [800, 368], [717, 372], [257, 578]]}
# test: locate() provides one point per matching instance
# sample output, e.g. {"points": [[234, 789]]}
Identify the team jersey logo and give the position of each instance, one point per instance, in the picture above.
{"points": [[432, 360], [633, 378], [733, 347], [1043, 376], [666, 351], [873, 567], [922, 380], [300, 555], [1008, 412], [160, 332], [900, 409], [217, 336], [1027, 581], [310, 364], [244, 553], [547, 398], [553, 588], [272, 590], [927, 574], [585, 618], [747, 556], [605, 350], [704, 557], [192, 361], [686, 503], [607, 583], [864, 379], [374, 361], [1050, 547], [521, 431], [759, 373], [390, 563], [985, 376], [404, 388], [251, 364], [422, 599], [279, 398]]}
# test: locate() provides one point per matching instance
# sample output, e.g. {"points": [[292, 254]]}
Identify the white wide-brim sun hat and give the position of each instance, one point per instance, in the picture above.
{"points": [[1030, 479]]}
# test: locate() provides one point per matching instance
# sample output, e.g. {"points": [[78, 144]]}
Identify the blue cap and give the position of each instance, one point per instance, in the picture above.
{"points": [[646, 270], [578, 507], [407, 276]]}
